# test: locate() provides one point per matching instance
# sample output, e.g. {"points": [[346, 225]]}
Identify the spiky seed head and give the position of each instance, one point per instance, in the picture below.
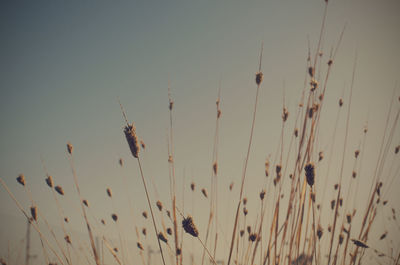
{"points": [[144, 214], [49, 181], [359, 243], [204, 191], [340, 102], [59, 189], [215, 168], [132, 139], [259, 78], [169, 231], [139, 245], [34, 213], [21, 179], [189, 226], [262, 194], [144, 231], [159, 205], [162, 237], [121, 162], [85, 202], [311, 71], [310, 173], [192, 186], [109, 192], [67, 239], [70, 148]]}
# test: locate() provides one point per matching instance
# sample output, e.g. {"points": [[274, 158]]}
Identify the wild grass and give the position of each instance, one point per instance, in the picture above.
{"points": [[290, 225]]}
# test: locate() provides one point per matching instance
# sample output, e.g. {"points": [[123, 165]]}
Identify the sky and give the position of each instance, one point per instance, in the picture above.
{"points": [[65, 64]]}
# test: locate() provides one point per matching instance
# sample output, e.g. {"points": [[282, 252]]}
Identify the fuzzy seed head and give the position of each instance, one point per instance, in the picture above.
{"points": [[132, 139], [189, 226], [310, 173]]}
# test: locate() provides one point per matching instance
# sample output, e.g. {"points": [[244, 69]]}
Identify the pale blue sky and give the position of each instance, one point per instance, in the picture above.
{"points": [[63, 64]]}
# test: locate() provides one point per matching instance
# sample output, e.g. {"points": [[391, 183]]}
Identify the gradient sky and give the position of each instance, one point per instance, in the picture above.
{"points": [[64, 64]]}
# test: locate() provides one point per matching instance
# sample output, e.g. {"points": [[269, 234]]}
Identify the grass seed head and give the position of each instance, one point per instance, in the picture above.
{"points": [[86, 203], [215, 168], [259, 78], [266, 167], [139, 245], [320, 156], [132, 139], [21, 179], [142, 144], [262, 194], [159, 205], [330, 62], [109, 192], [245, 211], [67, 239], [49, 181], [121, 162], [320, 231], [397, 149], [204, 191], [356, 153], [359, 243], [189, 226], [66, 219], [144, 214], [310, 173], [169, 231], [241, 233], [314, 84], [296, 132], [114, 217], [192, 186], [340, 102], [70, 148], [311, 71], [285, 114], [144, 231], [59, 189], [231, 186], [253, 237], [162, 237], [34, 213]]}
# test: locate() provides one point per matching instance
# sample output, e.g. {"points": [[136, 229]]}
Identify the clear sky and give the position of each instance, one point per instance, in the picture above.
{"points": [[64, 64]]}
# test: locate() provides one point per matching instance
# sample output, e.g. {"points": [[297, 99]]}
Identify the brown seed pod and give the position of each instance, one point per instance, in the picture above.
{"points": [[109, 192], [348, 217], [70, 148], [86, 203], [231, 186], [340, 102], [278, 169], [314, 84], [171, 104], [178, 251], [333, 204], [248, 229], [341, 238], [341, 202], [139, 245], [169, 231], [329, 228], [162, 237], [114, 217], [21, 179], [336, 186], [170, 159], [34, 213], [383, 236], [103, 222], [159, 205], [144, 231], [397, 149], [169, 214], [204, 191], [330, 62], [245, 211], [115, 249], [144, 214], [142, 144], [121, 162], [296, 132], [309, 168], [356, 153], [189, 226], [59, 189], [192, 186], [241, 233], [66, 219], [219, 112], [244, 201], [49, 181], [320, 156], [354, 174], [259, 78], [132, 139], [266, 167]]}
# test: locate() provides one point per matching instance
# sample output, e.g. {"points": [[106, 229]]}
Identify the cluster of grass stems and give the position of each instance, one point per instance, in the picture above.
{"points": [[288, 232]]}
